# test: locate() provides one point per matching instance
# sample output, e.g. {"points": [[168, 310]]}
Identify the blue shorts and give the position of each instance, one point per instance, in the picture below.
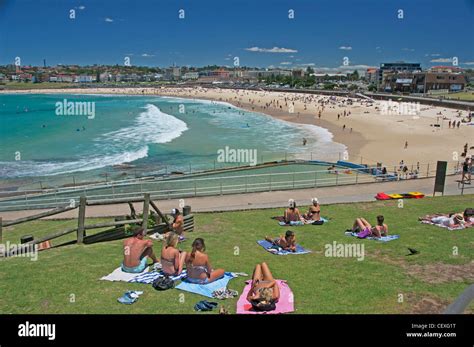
{"points": [[136, 269], [197, 280]]}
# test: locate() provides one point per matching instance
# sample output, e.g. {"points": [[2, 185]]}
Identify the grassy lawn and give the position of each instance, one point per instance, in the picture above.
{"points": [[44, 85], [427, 281], [463, 96]]}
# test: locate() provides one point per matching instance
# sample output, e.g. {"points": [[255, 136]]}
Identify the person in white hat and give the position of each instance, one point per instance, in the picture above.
{"points": [[314, 212]]}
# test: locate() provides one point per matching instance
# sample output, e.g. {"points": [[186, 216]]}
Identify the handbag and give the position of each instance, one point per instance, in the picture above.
{"points": [[163, 283]]}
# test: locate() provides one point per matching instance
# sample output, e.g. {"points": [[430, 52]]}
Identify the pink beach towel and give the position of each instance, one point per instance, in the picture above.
{"points": [[284, 305]]}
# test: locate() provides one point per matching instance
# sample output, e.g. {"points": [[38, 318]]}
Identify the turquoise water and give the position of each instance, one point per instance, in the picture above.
{"points": [[153, 134]]}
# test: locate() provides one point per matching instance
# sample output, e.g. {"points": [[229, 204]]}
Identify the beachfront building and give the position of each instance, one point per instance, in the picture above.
{"points": [[371, 75], [424, 82], [441, 82], [62, 78], [191, 76], [387, 70], [105, 77], [298, 73], [329, 77], [85, 79]]}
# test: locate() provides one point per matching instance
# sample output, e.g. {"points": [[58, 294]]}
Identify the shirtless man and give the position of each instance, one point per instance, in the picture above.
{"points": [[136, 251]]}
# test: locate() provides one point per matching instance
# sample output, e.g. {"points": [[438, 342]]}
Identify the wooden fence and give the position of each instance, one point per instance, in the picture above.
{"points": [[117, 232]]}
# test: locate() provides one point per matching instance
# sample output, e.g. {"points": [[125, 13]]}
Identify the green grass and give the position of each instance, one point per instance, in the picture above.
{"points": [[463, 96], [320, 284], [44, 85]]}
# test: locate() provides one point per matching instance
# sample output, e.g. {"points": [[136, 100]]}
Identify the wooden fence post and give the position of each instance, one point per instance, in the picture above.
{"points": [[146, 210], [81, 220], [1, 231]]}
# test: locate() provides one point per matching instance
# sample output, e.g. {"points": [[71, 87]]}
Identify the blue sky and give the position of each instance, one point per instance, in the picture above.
{"points": [[321, 34]]}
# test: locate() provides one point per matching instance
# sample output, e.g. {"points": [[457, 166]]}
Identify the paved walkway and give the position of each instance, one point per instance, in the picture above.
{"points": [[326, 195]]}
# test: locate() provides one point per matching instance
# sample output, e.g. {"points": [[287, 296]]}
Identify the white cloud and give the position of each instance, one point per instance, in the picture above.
{"points": [[286, 63], [108, 20], [408, 49], [441, 60], [308, 64], [291, 56], [271, 50], [346, 48], [226, 58], [82, 7], [146, 55], [468, 63], [435, 54]]}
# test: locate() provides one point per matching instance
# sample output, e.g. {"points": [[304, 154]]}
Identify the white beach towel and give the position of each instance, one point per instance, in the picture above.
{"points": [[119, 275]]}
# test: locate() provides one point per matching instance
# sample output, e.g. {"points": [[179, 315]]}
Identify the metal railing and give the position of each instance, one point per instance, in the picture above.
{"points": [[177, 188]]}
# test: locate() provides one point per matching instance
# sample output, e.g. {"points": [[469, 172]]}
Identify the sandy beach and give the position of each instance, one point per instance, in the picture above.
{"points": [[370, 132]]}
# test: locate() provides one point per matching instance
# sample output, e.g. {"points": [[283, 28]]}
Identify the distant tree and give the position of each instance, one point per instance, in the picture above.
{"points": [[372, 88], [329, 86], [353, 87]]}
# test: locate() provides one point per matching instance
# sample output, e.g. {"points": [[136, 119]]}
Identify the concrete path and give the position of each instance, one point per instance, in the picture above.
{"points": [[326, 195]]}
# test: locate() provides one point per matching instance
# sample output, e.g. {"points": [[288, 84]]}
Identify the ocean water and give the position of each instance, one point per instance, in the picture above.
{"points": [[154, 135]]}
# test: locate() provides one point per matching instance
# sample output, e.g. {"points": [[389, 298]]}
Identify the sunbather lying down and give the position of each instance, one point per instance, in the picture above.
{"points": [[264, 292], [452, 220], [287, 242], [379, 230]]}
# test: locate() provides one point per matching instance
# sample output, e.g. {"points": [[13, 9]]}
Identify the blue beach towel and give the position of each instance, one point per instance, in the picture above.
{"points": [[268, 246], [293, 224], [381, 239], [206, 289], [299, 223], [149, 277]]}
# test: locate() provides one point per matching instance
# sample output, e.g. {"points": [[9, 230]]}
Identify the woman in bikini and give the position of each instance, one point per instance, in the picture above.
{"points": [[292, 214], [198, 267], [172, 259], [287, 242], [361, 224], [264, 292], [314, 212]]}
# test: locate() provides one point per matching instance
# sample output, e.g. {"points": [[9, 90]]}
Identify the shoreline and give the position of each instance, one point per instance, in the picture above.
{"points": [[375, 137]]}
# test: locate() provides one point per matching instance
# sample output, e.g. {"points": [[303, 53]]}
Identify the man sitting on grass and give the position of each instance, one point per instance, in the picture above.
{"points": [[136, 251]]}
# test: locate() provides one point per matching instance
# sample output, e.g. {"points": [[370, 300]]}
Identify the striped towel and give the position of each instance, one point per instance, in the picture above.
{"points": [[149, 277]]}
